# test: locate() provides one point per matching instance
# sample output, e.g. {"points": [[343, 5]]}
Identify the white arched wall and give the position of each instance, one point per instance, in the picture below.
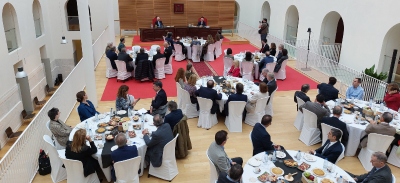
{"points": [[329, 27], [391, 41], [10, 25], [291, 23], [266, 11]]}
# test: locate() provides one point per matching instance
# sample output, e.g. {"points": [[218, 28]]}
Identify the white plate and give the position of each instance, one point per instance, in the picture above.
{"points": [[309, 158], [121, 112], [312, 171], [101, 116], [254, 162], [114, 147], [280, 154], [140, 136]]}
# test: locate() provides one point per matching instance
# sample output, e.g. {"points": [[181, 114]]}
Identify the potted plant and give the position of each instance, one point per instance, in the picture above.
{"points": [[371, 72], [372, 87]]}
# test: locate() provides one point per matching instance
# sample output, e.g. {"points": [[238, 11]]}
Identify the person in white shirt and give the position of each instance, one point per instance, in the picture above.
{"points": [[355, 91], [332, 148]]}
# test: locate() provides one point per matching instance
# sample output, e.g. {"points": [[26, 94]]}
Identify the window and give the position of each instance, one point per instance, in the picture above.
{"points": [[10, 24]]}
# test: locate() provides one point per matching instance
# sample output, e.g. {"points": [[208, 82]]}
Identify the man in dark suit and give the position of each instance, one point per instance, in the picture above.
{"points": [[328, 90], [209, 93], [141, 56], [379, 173], [112, 56], [266, 60], [157, 56], [235, 174], [123, 56], [178, 41], [318, 107], [279, 54], [174, 116], [264, 46], [271, 84], [159, 138], [167, 52], [201, 23], [159, 102], [260, 137], [332, 148], [158, 23], [123, 152], [238, 96], [302, 94], [335, 122]]}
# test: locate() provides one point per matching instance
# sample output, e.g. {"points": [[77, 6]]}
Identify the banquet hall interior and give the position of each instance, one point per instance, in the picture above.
{"points": [[52, 49]]}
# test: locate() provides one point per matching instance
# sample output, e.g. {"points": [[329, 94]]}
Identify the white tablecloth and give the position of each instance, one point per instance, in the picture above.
{"points": [[186, 43], [249, 87], [248, 169], [240, 57], [139, 142]]}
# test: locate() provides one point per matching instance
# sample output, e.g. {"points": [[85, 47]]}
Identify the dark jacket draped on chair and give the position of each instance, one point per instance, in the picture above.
{"points": [[144, 69], [183, 143]]}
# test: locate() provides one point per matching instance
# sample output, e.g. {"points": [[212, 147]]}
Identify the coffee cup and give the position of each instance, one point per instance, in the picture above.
{"points": [[257, 170]]}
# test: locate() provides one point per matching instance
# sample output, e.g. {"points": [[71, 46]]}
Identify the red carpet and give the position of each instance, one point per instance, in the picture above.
{"points": [[202, 69], [136, 40]]}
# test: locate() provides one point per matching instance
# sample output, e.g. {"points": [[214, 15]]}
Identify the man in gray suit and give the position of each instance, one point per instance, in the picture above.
{"points": [[317, 107], [159, 138], [379, 173], [216, 153], [382, 128]]}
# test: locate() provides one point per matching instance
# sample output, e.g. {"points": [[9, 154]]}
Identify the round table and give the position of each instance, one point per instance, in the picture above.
{"points": [[138, 140], [265, 167], [187, 43], [240, 56]]}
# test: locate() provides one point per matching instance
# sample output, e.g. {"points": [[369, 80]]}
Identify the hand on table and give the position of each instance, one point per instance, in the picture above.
{"points": [[145, 131], [312, 152]]}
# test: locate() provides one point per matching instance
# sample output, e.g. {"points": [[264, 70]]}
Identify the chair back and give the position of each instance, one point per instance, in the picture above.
{"points": [[169, 149], [341, 156], [228, 62], [196, 53], [124, 170], [204, 105], [211, 48], [260, 105], [178, 49], [57, 173], [218, 49], [213, 170], [178, 94], [121, 66], [48, 125], [326, 129], [310, 119], [283, 66], [154, 47], [159, 71], [74, 170], [234, 121], [236, 108], [270, 66], [247, 70], [135, 48], [378, 142], [300, 101], [205, 20], [108, 63], [393, 179]]}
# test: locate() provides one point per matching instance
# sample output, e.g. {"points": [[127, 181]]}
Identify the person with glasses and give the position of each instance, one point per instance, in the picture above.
{"points": [[379, 173]]}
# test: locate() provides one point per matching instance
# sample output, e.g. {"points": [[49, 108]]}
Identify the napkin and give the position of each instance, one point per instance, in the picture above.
{"points": [[142, 111]]}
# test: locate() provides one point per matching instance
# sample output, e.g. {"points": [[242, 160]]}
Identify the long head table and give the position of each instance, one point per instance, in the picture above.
{"points": [[156, 34]]}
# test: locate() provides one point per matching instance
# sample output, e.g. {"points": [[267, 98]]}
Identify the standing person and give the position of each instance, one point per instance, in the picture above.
{"points": [[123, 56], [272, 50], [112, 56], [263, 29], [121, 44], [392, 97], [180, 77], [124, 100], [58, 128], [158, 23], [86, 108], [235, 69], [159, 102], [355, 91], [302, 94], [167, 52], [328, 90], [170, 40]]}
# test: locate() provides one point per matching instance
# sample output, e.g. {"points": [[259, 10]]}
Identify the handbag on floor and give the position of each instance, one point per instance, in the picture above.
{"points": [[44, 163]]}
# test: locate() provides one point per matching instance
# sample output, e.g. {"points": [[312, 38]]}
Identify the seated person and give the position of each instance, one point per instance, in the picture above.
{"points": [[123, 152], [123, 56], [334, 121], [218, 156], [174, 116], [279, 53], [180, 77], [178, 41], [234, 175], [201, 23], [167, 52], [121, 44], [188, 71], [158, 23], [159, 138], [108, 47], [190, 86], [280, 60], [86, 108], [235, 69], [159, 102], [392, 96], [210, 40], [58, 128], [302, 94], [272, 86], [251, 104], [318, 107], [379, 173], [332, 148], [124, 100], [382, 128], [238, 96], [112, 56], [260, 137], [272, 50], [355, 91], [157, 56], [220, 34], [328, 90], [248, 57], [195, 41], [264, 46], [266, 60], [209, 93], [229, 54], [141, 56]]}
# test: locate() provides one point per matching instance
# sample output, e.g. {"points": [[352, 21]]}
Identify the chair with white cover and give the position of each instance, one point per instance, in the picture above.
{"points": [[298, 122], [196, 52], [269, 108], [75, 172], [341, 156], [255, 117], [58, 173], [136, 48], [159, 70], [206, 119], [125, 170], [310, 133], [393, 179], [209, 56], [123, 74], [393, 158], [55, 142], [179, 56], [154, 47], [189, 109], [218, 49], [234, 120], [325, 130], [213, 170], [270, 67], [228, 62], [110, 72], [178, 95], [376, 142], [168, 67], [168, 169], [247, 70], [281, 74]]}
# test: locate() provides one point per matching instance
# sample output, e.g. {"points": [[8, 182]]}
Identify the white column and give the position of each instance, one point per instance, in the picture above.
{"points": [[87, 50]]}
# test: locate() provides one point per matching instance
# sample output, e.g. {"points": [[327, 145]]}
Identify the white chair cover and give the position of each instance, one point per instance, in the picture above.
{"points": [[253, 118], [168, 169], [206, 119], [325, 130], [122, 73], [58, 173], [213, 170], [135, 48], [179, 56], [234, 120], [270, 67], [163, 38], [196, 52], [393, 179], [247, 70], [269, 108], [298, 122], [282, 72], [225, 51], [393, 158], [209, 56], [168, 68], [376, 142], [75, 172], [110, 72], [228, 62], [189, 109], [218, 49], [159, 70], [178, 95], [341, 154], [310, 133], [154, 47], [125, 170], [55, 142]]}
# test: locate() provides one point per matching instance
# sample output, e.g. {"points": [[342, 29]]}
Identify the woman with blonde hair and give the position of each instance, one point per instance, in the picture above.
{"points": [[190, 86], [78, 150], [392, 97], [235, 69], [180, 77], [124, 100]]}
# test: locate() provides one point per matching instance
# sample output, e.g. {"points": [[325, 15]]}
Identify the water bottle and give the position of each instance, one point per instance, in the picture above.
{"points": [[298, 155], [274, 156], [129, 112], [111, 112], [381, 106], [326, 163], [96, 117], [340, 179], [371, 101]]}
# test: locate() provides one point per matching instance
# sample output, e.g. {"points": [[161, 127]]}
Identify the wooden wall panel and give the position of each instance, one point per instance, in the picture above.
{"points": [[135, 14]]}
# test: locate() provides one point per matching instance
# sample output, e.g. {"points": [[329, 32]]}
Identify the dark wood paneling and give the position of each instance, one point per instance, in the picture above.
{"points": [[157, 34]]}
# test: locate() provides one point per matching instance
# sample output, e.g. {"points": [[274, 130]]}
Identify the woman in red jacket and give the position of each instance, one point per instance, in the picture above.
{"points": [[235, 69], [392, 97]]}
